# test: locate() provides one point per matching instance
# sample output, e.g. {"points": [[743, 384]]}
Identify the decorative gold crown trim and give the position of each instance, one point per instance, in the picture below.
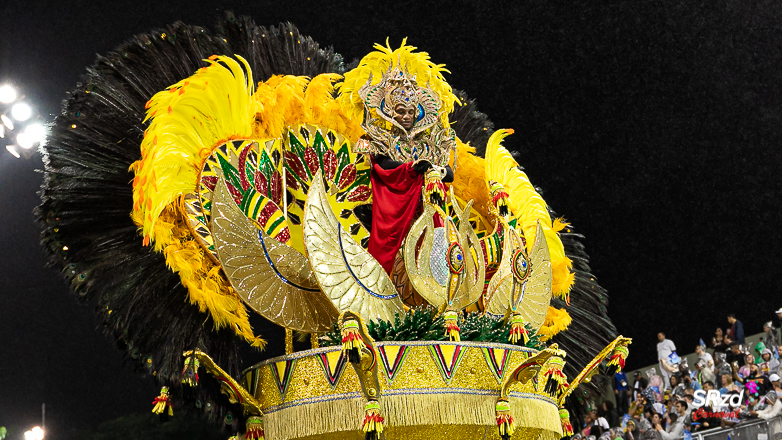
{"points": [[438, 387]]}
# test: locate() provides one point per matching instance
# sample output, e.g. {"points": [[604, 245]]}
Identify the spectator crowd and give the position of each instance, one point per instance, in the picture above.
{"points": [[730, 383]]}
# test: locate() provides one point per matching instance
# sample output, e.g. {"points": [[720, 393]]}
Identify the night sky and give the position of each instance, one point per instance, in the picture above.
{"points": [[652, 126]]}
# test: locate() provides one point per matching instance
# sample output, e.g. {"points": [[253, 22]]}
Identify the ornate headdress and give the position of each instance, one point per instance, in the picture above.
{"points": [[403, 91], [399, 87], [405, 78]]}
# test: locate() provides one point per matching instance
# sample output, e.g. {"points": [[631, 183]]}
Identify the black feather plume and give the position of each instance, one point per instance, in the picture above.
{"points": [[86, 195]]}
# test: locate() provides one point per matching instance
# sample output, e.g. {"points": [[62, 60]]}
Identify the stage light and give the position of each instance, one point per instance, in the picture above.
{"points": [[7, 122], [36, 132], [11, 149], [24, 140], [7, 94], [34, 434], [38, 433], [21, 111]]}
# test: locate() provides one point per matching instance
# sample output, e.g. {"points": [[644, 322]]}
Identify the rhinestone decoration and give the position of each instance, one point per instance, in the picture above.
{"points": [[456, 258], [521, 265], [437, 263]]}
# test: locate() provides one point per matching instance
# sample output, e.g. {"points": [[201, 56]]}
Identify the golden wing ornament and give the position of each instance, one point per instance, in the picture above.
{"points": [[275, 280], [475, 271], [347, 274], [522, 283], [444, 274], [428, 277]]}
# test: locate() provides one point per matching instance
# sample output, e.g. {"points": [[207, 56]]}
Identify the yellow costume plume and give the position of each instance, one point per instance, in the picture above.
{"points": [[557, 320], [187, 121], [528, 207], [469, 183]]}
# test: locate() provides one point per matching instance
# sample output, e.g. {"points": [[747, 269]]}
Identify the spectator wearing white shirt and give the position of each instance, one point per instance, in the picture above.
{"points": [[705, 356], [773, 409], [600, 421], [664, 349], [674, 430]]}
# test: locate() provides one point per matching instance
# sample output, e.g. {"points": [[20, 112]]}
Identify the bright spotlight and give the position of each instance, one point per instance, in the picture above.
{"points": [[24, 140], [37, 433], [11, 149], [21, 111], [7, 122], [36, 132], [7, 94]]}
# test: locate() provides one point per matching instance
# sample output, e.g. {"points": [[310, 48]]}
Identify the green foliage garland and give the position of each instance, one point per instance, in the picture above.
{"points": [[425, 324]]}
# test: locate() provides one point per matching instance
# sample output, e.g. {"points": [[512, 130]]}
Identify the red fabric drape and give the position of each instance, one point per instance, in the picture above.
{"points": [[396, 197]]}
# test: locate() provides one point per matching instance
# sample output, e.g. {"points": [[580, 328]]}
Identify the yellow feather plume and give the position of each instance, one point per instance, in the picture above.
{"points": [[557, 320], [379, 62], [207, 288], [187, 121], [528, 207], [469, 183], [326, 111], [287, 101]]}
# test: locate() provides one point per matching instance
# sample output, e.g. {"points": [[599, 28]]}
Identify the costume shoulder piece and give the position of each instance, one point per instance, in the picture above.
{"points": [[251, 190]]}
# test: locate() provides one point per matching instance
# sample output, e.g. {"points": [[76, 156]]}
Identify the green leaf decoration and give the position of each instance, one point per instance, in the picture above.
{"points": [[424, 324], [230, 172]]}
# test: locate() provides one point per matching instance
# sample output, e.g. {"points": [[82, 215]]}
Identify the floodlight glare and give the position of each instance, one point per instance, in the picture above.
{"points": [[37, 433], [11, 149], [7, 94], [24, 140], [36, 132], [7, 122], [21, 111]]}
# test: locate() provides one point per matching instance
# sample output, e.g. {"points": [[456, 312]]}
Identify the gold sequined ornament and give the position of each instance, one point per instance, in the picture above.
{"points": [[511, 290], [445, 264], [274, 279], [617, 361], [162, 405], [254, 431], [505, 423], [190, 372], [352, 343], [518, 329], [554, 377], [346, 273], [373, 421], [567, 428]]}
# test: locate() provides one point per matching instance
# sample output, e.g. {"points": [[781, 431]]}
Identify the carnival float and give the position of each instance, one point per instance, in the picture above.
{"points": [[198, 180]]}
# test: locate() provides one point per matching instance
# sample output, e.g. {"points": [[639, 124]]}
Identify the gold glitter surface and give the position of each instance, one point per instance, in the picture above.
{"points": [[504, 290], [272, 278], [419, 402], [339, 262]]}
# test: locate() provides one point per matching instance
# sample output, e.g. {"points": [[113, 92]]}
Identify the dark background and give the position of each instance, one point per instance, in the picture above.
{"points": [[653, 126]]}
